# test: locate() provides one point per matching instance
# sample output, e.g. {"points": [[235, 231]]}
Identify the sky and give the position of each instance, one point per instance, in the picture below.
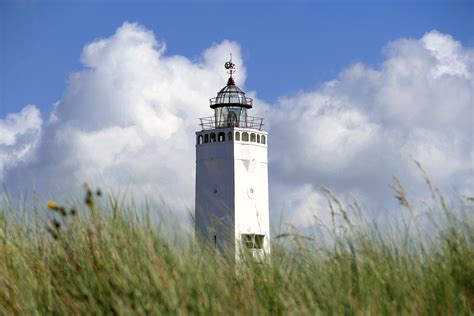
{"points": [[352, 92], [41, 41]]}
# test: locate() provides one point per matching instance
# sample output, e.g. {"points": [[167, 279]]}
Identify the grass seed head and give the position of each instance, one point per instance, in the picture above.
{"points": [[52, 232], [56, 223], [62, 210]]}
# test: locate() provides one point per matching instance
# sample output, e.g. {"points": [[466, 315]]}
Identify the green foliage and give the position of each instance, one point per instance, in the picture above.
{"points": [[110, 259]]}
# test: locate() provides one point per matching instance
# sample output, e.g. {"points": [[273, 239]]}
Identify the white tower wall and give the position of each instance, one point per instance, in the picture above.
{"points": [[232, 187], [251, 189], [215, 190]]}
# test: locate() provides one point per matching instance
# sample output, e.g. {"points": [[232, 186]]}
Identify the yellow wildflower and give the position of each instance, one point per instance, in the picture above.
{"points": [[52, 205]]}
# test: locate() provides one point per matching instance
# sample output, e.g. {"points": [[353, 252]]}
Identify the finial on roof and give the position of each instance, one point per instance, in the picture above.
{"points": [[230, 66], [231, 81]]}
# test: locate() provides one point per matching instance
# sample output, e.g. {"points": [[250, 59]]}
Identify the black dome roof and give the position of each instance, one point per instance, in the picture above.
{"points": [[231, 95]]}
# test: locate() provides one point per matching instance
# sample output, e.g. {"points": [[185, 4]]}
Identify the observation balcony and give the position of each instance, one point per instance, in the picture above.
{"points": [[210, 122], [231, 101]]}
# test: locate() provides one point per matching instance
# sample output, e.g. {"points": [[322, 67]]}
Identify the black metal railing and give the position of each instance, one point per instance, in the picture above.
{"points": [[231, 100], [252, 122]]}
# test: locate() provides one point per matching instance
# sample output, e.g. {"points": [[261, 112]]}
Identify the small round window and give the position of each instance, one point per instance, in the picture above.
{"points": [[251, 192]]}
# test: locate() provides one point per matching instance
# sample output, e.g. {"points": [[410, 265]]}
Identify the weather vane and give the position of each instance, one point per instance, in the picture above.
{"points": [[230, 66]]}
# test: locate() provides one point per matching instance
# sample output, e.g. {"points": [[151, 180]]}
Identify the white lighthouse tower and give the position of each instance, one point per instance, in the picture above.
{"points": [[232, 175]]}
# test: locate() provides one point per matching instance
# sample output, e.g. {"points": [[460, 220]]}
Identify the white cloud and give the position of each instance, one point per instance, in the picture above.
{"points": [[19, 134], [128, 119], [450, 56], [356, 132], [303, 205]]}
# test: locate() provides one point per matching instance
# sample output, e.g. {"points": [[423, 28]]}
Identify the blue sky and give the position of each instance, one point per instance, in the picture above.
{"points": [[287, 45]]}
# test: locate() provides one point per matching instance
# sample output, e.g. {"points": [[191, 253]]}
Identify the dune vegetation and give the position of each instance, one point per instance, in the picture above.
{"points": [[103, 257]]}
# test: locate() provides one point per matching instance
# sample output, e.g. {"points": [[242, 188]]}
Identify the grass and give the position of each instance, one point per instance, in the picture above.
{"points": [[103, 258]]}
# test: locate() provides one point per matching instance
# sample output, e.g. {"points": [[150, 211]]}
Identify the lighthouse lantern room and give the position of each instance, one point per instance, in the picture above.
{"points": [[232, 175]]}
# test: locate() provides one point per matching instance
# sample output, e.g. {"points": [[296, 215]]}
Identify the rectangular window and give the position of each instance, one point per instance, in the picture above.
{"points": [[259, 241], [253, 241]]}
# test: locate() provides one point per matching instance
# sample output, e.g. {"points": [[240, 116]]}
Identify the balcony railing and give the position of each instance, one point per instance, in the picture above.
{"points": [[252, 122], [231, 100]]}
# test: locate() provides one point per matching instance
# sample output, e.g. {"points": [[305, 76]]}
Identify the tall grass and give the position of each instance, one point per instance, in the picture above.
{"points": [[105, 258]]}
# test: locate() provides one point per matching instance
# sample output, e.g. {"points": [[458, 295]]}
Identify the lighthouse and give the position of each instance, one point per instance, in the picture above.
{"points": [[232, 211]]}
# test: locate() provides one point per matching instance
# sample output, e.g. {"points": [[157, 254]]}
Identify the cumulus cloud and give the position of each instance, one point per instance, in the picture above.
{"points": [[128, 118], [19, 135], [356, 132]]}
